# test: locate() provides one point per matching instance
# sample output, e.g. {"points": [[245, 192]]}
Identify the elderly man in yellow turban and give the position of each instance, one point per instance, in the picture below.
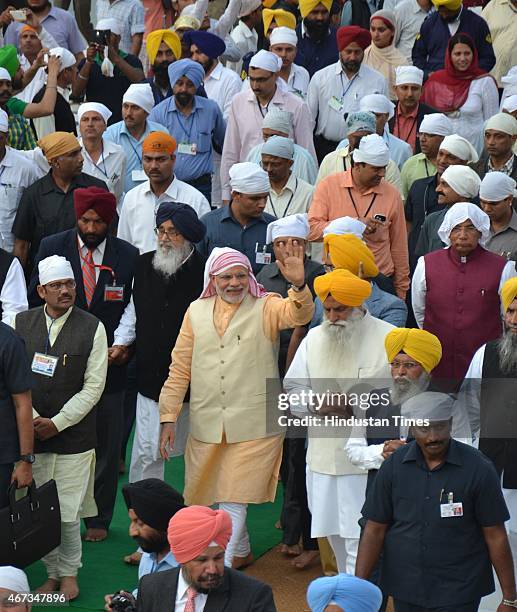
{"points": [[346, 348]]}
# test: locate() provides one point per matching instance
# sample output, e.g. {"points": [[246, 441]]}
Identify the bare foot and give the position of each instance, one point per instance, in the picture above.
{"points": [[290, 551], [69, 587], [133, 558], [278, 525], [305, 559], [95, 535], [242, 562], [51, 585]]}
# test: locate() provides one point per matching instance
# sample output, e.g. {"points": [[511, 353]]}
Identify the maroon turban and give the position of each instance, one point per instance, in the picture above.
{"points": [[351, 34], [101, 201]]}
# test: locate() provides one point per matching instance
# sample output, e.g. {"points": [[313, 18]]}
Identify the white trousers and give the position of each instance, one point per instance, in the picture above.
{"points": [[345, 551], [65, 560], [239, 544], [145, 456]]}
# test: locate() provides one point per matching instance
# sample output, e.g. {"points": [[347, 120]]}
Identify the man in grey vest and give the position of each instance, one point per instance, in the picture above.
{"points": [[68, 350]]}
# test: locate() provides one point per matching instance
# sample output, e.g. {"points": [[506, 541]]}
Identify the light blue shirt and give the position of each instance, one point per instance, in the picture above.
{"points": [[149, 565], [119, 134], [204, 125]]}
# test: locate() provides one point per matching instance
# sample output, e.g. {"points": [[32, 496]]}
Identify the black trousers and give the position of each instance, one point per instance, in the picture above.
{"points": [[110, 429], [404, 606], [204, 185], [6, 471], [324, 147]]}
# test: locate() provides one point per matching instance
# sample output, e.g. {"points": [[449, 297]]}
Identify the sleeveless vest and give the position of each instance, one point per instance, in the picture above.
{"points": [[49, 394]]}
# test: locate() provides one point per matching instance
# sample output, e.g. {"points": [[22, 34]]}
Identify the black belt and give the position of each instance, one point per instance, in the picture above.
{"points": [[204, 179]]}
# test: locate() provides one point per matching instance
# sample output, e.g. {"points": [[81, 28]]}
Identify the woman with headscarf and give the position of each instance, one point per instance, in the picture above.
{"points": [[382, 55], [466, 93]]}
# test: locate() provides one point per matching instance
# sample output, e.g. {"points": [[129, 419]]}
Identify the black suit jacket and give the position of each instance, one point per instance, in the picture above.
{"points": [[423, 109], [238, 593], [121, 257]]}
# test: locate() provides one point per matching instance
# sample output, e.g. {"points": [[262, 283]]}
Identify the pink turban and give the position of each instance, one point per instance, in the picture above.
{"points": [[221, 260], [193, 529]]}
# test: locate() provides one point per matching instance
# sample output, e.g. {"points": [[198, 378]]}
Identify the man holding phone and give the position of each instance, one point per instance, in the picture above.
{"points": [[361, 192]]}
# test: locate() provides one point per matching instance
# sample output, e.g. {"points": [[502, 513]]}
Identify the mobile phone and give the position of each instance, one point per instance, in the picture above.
{"points": [[381, 218], [101, 37]]}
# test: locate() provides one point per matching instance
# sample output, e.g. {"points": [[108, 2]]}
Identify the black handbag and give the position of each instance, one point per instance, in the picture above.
{"points": [[30, 527]]}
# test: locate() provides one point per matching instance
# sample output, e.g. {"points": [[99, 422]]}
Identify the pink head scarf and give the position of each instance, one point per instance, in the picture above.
{"points": [[221, 260]]}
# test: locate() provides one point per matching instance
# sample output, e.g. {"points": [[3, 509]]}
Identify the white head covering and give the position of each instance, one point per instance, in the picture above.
{"points": [[345, 225], [408, 75], [249, 178], [67, 58], [463, 180], [278, 119], [430, 405], [437, 123], [4, 121], [497, 186], [510, 78], [266, 60], [460, 147], [278, 146], [460, 212], [13, 579], [4, 75], [54, 268], [502, 122], [113, 25], [377, 103], [372, 150], [96, 107], [248, 6], [292, 226], [141, 95], [283, 35], [510, 104]]}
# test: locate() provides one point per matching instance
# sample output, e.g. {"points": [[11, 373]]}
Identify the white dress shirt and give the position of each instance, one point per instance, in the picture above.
{"points": [[295, 197], [221, 85], [410, 16], [110, 167], [16, 174], [13, 294], [97, 255], [246, 40], [298, 81], [181, 596], [138, 214], [331, 94]]}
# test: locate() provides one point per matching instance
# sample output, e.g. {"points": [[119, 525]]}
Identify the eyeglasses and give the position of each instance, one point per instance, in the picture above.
{"points": [[171, 233], [55, 287], [409, 365]]}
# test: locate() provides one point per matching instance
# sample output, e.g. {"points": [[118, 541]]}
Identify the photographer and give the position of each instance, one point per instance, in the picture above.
{"points": [[105, 76]]}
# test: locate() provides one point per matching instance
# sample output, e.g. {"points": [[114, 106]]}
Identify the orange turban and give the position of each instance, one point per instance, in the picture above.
{"points": [[193, 529], [159, 142], [347, 252], [343, 286], [423, 346], [508, 292], [27, 28], [58, 143]]}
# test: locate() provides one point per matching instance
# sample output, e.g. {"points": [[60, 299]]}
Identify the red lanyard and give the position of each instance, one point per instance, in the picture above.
{"points": [[94, 265]]}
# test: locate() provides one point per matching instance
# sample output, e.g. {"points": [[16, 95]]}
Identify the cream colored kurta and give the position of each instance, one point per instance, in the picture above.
{"points": [[232, 454]]}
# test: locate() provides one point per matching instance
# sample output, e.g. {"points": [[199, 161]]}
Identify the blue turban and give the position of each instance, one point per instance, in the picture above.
{"points": [[184, 218], [351, 593], [207, 43], [186, 68]]}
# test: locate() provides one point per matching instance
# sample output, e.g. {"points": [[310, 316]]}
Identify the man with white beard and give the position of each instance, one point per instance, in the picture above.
{"points": [[166, 281], [346, 348]]}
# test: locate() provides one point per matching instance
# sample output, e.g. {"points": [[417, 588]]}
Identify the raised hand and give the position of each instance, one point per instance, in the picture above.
{"points": [[292, 268]]}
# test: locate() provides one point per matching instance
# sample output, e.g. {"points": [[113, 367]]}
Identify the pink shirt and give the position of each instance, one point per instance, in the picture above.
{"points": [[244, 128]]}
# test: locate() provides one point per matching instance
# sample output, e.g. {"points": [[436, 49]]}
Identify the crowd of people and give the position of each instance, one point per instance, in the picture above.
{"points": [[281, 241]]}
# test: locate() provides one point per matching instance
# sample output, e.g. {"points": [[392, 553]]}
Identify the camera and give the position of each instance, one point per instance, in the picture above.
{"points": [[123, 602], [101, 37]]}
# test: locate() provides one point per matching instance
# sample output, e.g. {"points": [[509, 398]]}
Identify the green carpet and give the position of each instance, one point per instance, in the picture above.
{"points": [[103, 569]]}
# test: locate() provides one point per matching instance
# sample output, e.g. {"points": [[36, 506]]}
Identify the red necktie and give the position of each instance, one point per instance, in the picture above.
{"points": [[190, 606], [89, 279]]}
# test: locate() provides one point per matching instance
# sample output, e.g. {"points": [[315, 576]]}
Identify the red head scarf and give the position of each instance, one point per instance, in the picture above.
{"points": [[101, 201], [447, 90]]}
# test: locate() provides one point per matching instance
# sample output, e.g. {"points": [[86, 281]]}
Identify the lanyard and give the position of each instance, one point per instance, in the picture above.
{"points": [[47, 343], [105, 172], [260, 108], [134, 150], [288, 203], [350, 83], [426, 167], [355, 207], [94, 265], [189, 119], [412, 127]]}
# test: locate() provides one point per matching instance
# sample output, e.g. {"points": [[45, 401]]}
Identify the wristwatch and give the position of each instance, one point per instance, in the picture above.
{"points": [[28, 458], [300, 288], [512, 603]]}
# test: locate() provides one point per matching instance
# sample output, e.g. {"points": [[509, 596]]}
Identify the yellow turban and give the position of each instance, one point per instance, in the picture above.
{"points": [[58, 143], [509, 292], [155, 39], [268, 3], [343, 286], [423, 346], [452, 5], [281, 17], [347, 252], [306, 6]]}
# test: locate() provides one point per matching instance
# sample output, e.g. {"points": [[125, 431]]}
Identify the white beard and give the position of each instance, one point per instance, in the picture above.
{"points": [[229, 298], [338, 336], [167, 261], [403, 389], [507, 348]]}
